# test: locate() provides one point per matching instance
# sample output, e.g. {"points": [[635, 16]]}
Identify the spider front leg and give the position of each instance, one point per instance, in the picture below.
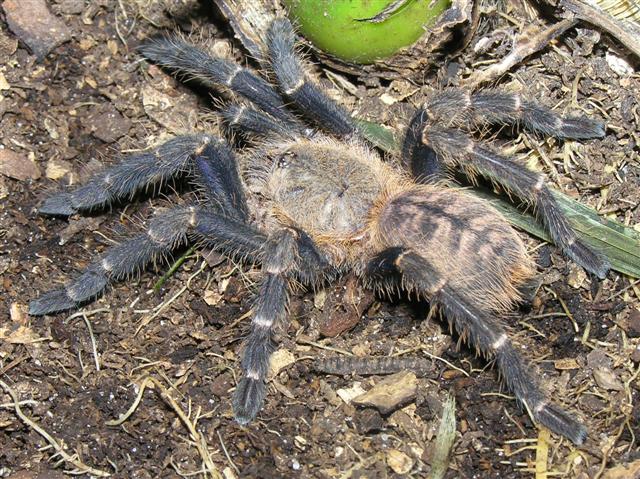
{"points": [[294, 83], [224, 221], [452, 147], [287, 254], [480, 329], [194, 63]]}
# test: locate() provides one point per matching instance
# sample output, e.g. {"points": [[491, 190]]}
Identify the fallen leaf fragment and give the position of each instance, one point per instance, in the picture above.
{"points": [[347, 394], [280, 360], [57, 169], [566, 364], [18, 335], [607, 379], [628, 471]]}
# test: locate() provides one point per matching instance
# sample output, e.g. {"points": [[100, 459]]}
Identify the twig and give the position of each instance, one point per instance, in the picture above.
{"points": [[627, 33], [196, 437], [82, 467], [528, 44], [173, 269]]}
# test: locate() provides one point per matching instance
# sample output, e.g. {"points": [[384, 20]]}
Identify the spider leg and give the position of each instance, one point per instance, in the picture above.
{"points": [[456, 148], [176, 54], [419, 158], [287, 253], [482, 330], [132, 174], [165, 233], [294, 84], [458, 107], [216, 172], [246, 119]]}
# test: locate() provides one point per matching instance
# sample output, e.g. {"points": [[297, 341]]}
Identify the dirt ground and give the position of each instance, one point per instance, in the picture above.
{"points": [[91, 97]]}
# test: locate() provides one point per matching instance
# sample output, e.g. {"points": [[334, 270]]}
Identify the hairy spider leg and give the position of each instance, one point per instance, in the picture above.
{"points": [[165, 232], [217, 175], [251, 122], [417, 157], [460, 108], [221, 221], [294, 84], [481, 330], [453, 147], [182, 57], [286, 254], [133, 173]]}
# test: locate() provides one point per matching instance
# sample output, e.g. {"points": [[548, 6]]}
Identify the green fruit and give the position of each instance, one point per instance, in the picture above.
{"points": [[363, 31]]}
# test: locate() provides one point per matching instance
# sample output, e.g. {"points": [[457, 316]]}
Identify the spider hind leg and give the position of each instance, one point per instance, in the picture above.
{"points": [[482, 331]]}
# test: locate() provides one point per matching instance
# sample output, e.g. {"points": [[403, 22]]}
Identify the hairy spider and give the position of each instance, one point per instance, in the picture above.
{"points": [[327, 203]]}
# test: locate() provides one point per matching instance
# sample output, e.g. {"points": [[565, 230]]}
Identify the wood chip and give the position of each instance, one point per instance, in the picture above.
{"points": [[390, 393]]}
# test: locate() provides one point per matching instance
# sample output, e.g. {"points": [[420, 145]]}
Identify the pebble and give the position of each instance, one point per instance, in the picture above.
{"points": [[71, 7], [35, 25], [635, 355], [633, 330], [17, 166], [390, 393]]}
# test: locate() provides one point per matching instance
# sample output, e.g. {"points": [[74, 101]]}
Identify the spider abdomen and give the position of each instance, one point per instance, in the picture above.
{"points": [[469, 244]]}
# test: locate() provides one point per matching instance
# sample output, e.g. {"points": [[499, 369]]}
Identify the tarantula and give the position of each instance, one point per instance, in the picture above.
{"points": [[329, 204]]}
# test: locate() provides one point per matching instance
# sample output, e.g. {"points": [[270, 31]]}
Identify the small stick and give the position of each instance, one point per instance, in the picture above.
{"points": [[81, 467], [528, 44]]}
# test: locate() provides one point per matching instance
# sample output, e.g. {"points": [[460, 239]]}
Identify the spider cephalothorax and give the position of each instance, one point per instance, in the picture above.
{"points": [[328, 203]]}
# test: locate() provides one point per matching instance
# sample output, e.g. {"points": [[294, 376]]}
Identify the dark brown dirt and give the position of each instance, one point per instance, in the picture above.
{"points": [[91, 97]]}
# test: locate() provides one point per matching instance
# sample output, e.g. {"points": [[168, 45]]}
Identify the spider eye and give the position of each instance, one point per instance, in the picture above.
{"points": [[283, 161]]}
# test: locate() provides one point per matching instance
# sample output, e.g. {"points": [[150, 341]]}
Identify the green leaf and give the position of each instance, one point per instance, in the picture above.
{"points": [[378, 135], [620, 244]]}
